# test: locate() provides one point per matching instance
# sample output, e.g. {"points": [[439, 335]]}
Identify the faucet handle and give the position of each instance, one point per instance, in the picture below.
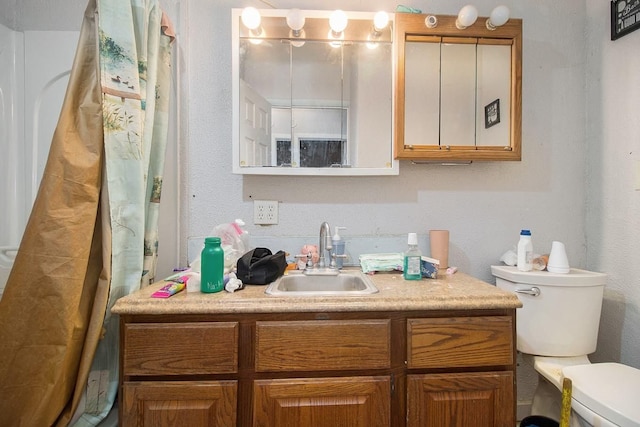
{"points": [[308, 256], [334, 257]]}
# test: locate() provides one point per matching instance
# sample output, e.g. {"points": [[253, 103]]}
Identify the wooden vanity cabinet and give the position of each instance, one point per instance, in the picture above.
{"points": [[482, 394], [164, 367], [356, 369]]}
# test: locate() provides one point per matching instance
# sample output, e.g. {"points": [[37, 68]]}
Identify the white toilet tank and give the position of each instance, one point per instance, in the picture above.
{"points": [[560, 313]]}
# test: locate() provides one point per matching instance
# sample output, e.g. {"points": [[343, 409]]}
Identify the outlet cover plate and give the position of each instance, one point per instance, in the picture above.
{"points": [[265, 212]]}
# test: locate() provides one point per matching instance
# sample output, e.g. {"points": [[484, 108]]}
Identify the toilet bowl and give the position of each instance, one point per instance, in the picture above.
{"points": [[557, 327]]}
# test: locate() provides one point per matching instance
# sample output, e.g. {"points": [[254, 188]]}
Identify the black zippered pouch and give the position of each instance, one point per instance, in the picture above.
{"points": [[260, 266]]}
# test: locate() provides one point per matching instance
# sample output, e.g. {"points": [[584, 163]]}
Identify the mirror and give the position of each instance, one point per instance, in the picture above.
{"points": [[458, 91], [312, 103]]}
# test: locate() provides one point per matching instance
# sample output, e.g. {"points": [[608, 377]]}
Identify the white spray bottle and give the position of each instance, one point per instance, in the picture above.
{"points": [[338, 246]]}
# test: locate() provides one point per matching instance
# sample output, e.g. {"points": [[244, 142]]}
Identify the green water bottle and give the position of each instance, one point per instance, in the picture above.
{"points": [[212, 266]]}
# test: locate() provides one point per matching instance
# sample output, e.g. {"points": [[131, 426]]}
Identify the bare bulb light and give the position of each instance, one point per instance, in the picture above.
{"points": [[466, 17], [295, 20], [380, 20], [499, 16], [338, 21], [251, 18]]}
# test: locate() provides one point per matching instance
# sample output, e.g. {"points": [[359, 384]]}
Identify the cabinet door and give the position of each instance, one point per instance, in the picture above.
{"points": [[178, 403], [323, 402], [460, 400]]}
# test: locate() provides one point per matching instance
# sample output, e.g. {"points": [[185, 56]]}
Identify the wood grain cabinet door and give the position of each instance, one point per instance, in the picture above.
{"points": [[179, 404], [482, 399], [323, 402]]}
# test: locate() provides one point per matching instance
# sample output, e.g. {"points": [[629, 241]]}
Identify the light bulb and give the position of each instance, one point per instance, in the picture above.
{"points": [[251, 18], [499, 16], [380, 20], [295, 19], [338, 21], [466, 17]]}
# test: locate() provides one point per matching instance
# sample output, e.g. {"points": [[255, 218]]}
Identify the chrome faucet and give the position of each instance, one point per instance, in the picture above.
{"points": [[322, 267], [324, 244]]}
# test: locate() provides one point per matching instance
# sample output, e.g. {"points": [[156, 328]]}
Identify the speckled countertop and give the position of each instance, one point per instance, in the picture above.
{"points": [[448, 292]]}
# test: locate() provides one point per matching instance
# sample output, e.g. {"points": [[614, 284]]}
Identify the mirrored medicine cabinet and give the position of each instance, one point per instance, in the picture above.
{"points": [[312, 101], [458, 91]]}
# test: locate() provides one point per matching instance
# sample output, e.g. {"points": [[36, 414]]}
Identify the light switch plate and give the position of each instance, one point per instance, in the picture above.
{"points": [[265, 212]]}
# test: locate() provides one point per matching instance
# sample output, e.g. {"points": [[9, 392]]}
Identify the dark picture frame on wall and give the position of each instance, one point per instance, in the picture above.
{"points": [[492, 114], [625, 17]]}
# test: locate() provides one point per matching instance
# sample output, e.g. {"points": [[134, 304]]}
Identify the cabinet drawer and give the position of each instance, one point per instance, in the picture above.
{"points": [[322, 345], [180, 348], [460, 342]]}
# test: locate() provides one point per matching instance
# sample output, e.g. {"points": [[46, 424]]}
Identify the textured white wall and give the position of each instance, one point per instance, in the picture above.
{"points": [[613, 202]]}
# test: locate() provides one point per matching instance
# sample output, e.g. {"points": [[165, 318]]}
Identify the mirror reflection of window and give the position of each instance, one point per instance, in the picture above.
{"points": [[316, 153], [283, 152], [312, 152]]}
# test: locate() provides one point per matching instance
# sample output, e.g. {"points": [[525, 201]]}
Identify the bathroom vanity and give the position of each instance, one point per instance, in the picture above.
{"points": [[436, 352]]}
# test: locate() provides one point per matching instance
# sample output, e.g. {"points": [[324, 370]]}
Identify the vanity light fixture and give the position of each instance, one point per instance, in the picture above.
{"points": [[338, 22], [466, 17], [431, 21], [296, 20], [499, 16], [380, 21], [251, 19]]}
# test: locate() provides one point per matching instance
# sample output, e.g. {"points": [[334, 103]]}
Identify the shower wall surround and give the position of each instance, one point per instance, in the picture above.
{"points": [[31, 94]]}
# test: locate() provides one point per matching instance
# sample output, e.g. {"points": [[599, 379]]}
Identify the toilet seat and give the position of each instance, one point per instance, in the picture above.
{"points": [[551, 367], [608, 389]]}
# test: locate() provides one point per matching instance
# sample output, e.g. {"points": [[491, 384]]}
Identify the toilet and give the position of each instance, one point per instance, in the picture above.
{"points": [[557, 327]]}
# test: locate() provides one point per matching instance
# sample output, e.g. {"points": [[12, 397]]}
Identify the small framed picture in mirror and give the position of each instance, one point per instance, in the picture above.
{"points": [[492, 114]]}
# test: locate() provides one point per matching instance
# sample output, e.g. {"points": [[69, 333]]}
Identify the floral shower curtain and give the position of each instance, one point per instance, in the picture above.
{"points": [[92, 234]]}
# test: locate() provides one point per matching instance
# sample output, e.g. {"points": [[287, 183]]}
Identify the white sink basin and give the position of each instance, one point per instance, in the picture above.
{"points": [[344, 284]]}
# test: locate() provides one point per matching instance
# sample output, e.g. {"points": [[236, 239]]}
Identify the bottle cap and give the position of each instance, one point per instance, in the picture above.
{"points": [[212, 240], [412, 239], [525, 233]]}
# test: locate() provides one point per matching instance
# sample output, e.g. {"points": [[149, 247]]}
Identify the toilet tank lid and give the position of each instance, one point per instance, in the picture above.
{"points": [[575, 277], [608, 389]]}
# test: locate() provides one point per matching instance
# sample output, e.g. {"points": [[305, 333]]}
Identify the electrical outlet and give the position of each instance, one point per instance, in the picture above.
{"points": [[265, 212]]}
